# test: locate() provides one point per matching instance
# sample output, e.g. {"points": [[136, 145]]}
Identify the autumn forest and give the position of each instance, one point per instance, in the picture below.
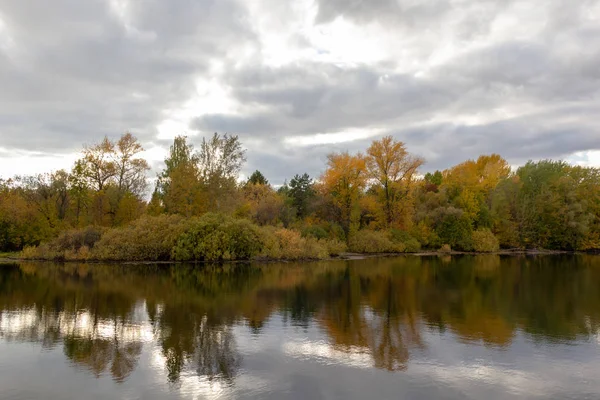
{"points": [[376, 201]]}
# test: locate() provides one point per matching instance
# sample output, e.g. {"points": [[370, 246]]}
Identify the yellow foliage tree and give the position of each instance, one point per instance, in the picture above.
{"points": [[185, 195], [393, 168], [471, 183], [481, 175], [344, 180]]}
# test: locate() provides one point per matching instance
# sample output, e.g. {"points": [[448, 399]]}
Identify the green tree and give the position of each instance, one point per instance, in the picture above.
{"points": [[551, 214], [257, 178], [302, 192]]}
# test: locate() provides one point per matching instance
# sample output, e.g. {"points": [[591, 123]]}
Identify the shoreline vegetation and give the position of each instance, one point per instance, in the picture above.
{"points": [[375, 203], [18, 257]]}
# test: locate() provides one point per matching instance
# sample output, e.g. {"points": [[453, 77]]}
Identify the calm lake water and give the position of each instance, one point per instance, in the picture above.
{"points": [[481, 327]]}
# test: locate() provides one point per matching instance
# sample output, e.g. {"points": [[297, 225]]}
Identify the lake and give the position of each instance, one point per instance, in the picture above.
{"points": [[477, 327]]}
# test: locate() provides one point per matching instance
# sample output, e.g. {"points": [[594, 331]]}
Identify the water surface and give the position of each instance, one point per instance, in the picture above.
{"points": [[401, 328]]}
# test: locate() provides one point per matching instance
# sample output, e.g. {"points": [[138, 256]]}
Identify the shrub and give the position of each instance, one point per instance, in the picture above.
{"points": [[67, 246], [290, 245], [445, 249], [399, 236], [82, 254], [216, 237], [334, 247], [337, 232], [411, 245], [485, 241], [75, 239], [35, 253], [367, 241], [321, 230], [454, 228], [316, 232], [146, 239], [425, 235]]}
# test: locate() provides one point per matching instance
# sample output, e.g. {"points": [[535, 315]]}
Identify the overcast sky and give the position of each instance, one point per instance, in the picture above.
{"points": [[295, 80]]}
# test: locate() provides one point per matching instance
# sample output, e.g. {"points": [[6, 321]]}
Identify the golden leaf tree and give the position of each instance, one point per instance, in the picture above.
{"points": [[393, 169], [344, 181]]}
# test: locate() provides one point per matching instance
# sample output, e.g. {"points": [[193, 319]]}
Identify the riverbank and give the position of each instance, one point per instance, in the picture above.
{"points": [[15, 257], [431, 253], [9, 256]]}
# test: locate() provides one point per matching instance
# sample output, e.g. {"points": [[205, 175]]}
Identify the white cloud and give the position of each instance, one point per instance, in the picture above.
{"points": [[586, 158], [332, 138], [33, 162]]}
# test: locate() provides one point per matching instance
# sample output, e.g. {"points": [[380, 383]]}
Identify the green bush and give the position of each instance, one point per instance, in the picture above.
{"points": [[316, 232], [367, 241], [216, 237], [336, 232], [411, 245], [485, 241], [454, 228], [146, 239], [425, 235]]}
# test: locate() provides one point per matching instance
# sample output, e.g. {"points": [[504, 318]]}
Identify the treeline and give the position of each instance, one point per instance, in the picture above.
{"points": [[376, 201]]}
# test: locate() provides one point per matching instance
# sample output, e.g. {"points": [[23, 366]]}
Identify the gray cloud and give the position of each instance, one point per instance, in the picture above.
{"points": [[318, 99], [79, 72], [518, 78]]}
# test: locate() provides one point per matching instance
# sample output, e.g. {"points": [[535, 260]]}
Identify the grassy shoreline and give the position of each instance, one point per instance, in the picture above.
{"points": [[15, 257]]}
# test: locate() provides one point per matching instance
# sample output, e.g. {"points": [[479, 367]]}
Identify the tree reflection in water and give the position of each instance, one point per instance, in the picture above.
{"points": [[103, 316]]}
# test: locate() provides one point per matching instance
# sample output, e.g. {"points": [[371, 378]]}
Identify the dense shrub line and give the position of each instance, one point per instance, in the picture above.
{"points": [[218, 237], [212, 237]]}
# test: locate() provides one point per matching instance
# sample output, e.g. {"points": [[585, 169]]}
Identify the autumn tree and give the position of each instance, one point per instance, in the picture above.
{"points": [[481, 174], [344, 181], [393, 169], [60, 187], [470, 184], [194, 182], [49, 194], [97, 164], [155, 205], [130, 171], [79, 191], [180, 153], [179, 186], [21, 223], [263, 204], [112, 170], [220, 161], [221, 157]]}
